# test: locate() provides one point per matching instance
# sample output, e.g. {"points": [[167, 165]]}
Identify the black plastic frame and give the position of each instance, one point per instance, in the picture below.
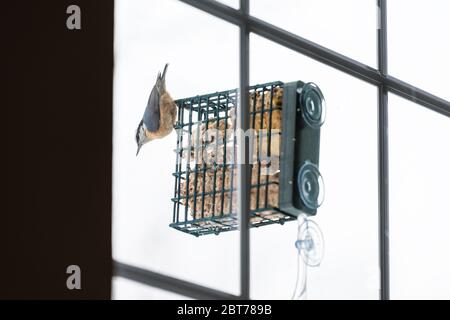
{"points": [[300, 144]]}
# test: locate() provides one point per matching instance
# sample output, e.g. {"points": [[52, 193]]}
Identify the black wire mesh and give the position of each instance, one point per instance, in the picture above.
{"points": [[205, 197]]}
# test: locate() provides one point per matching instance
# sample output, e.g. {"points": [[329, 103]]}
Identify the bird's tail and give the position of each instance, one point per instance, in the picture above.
{"points": [[162, 78]]}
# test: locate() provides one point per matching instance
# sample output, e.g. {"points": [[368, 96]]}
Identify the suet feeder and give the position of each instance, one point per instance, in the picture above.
{"points": [[284, 136]]}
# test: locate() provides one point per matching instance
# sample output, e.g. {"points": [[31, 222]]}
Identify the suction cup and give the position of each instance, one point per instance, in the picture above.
{"points": [[310, 185], [310, 243], [313, 105]]}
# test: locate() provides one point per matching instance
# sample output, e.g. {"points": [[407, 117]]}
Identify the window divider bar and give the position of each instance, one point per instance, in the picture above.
{"points": [[383, 154], [417, 95], [383, 193], [244, 172], [158, 280]]}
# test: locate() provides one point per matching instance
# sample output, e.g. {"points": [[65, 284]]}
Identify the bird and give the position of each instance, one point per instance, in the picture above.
{"points": [[159, 115]]}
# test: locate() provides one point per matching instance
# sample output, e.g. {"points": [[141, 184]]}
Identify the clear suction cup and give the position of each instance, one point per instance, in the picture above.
{"points": [[310, 185], [310, 243], [313, 105], [310, 249]]}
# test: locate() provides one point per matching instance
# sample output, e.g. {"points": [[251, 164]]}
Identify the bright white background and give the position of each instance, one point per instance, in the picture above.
{"points": [[203, 56]]}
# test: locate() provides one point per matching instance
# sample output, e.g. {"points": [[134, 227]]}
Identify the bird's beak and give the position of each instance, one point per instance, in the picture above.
{"points": [[139, 148]]}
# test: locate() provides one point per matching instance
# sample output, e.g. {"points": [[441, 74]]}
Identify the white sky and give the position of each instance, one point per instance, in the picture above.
{"points": [[203, 56]]}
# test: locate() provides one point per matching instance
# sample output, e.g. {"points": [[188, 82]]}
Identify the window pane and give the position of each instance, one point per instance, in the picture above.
{"points": [[149, 34], [124, 289], [419, 208], [231, 3], [346, 26], [348, 162], [418, 44]]}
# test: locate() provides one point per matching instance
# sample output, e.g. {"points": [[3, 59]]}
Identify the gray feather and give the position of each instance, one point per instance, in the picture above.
{"points": [[152, 114]]}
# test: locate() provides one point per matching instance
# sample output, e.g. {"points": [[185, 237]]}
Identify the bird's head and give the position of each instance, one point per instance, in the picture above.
{"points": [[141, 137]]}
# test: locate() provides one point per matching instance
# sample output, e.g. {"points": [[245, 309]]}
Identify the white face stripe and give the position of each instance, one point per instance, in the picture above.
{"points": [[142, 136]]}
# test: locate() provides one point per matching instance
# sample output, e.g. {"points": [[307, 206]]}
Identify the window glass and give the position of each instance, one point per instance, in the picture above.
{"points": [[347, 26], [348, 216], [231, 3], [149, 34], [418, 44], [124, 289], [419, 152]]}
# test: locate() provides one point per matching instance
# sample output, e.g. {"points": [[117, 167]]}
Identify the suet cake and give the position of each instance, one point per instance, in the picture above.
{"points": [[206, 189]]}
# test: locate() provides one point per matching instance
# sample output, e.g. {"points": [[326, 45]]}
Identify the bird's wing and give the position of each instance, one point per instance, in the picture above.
{"points": [[152, 115]]}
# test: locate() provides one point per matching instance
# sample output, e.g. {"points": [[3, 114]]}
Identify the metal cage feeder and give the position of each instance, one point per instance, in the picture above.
{"points": [[285, 120]]}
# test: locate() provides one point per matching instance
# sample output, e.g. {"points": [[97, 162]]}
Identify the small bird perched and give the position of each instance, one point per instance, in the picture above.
{"points": [[159, 115]]}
